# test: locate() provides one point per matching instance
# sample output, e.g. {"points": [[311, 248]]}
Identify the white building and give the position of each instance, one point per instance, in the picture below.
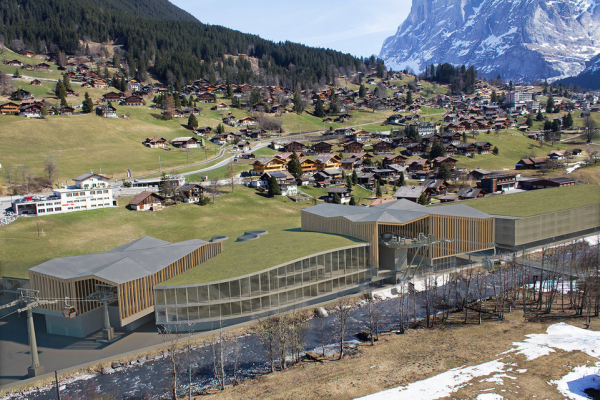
{"points": [[90, 191]]}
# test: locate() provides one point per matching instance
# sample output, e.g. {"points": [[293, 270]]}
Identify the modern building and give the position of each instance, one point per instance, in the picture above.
{"points": [[91, 191]]}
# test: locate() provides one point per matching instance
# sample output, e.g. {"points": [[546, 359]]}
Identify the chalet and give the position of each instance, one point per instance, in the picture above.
{"points": [[185, 142], [361, 156], [446, 198], [243, 145], [229, 120], [466, 148], [366, 179], [393, 159], [66, 110], [450, 149], [220, 107], [353, 147], [531, 163], [21, 94], [106, 110], [557, 154], [27, 53], [201, 130], [277, 108], [470, 193], [401, 141], [31, 110], [43, 66], [411, 193], [112, 96], [343, 118], [419, 164], [293, 147], [384, 173], [14, 63], [415, 149], [9, 108], [349, 164], [247, 156], [247, 121], [222, 138], [327, 161], [133, 101], [288, 155], [323, 147], [268, 164], [449, 161], [428, 140], [435, 187], [329, 176], [343, 193], [155, 142], [483, 147], [450, 137], [36, 82], [190, 193], [286, 182], [147, 201], [307, 165], [206, 98], [382, 147]]}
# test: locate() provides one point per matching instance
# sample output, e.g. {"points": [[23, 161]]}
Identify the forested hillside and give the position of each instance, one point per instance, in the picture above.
{"points": [[162, 39]]}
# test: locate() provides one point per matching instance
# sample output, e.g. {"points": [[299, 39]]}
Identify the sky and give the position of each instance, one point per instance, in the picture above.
{"points": [[350, 26]]}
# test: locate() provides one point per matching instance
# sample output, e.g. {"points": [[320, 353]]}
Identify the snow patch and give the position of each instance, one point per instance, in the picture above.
{"points": [[573, 384]]}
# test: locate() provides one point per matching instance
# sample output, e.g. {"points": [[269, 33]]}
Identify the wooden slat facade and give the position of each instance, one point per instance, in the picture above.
{"points": [[469, 234], [133, 297]]}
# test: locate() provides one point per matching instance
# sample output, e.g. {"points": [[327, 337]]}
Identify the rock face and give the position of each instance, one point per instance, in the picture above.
{"points": [[589, 78], [521, 40]]}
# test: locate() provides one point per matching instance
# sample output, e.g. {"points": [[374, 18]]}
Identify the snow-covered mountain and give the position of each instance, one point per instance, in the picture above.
{"points": [[590, 77], [518, 39]]}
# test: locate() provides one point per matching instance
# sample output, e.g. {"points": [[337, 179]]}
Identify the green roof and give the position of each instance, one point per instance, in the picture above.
{"points": [[276, 247], [538, 202]]}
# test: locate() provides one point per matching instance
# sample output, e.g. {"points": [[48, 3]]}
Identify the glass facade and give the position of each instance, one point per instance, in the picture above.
{"points": [[281, 286]]}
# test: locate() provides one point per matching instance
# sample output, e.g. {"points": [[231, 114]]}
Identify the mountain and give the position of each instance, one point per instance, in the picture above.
{"points": [[589, 78], [159, 38], [521, 40]]}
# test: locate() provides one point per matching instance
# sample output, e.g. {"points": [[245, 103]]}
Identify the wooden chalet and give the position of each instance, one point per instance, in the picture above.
{"points": [[382, 147], [419, 164], [190, 193], [483, 147], [133, 101], [206, 98], [155, 142], [323, 147], [353, 147], [308, 165], [396, 159], [449, 161], [147, 201], [531, 163], [66, 110], [327, 161], [466, 148], [294, 147], [113, 96], [9, 108], [470, 193], [185, 142], [106, 110], [267, 164], [350, 163]]}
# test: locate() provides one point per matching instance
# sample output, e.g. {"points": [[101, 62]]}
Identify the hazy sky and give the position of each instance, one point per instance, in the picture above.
{"points": [[350, 26]]}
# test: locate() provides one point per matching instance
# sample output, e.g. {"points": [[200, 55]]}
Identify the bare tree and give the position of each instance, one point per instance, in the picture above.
{"points": [[24, 172], [231, 174], [266, 331], [6, 85], [297, 328], [189, 358], [170, 339], [343, 311], [214, 187], [217, 343], [591, 129], [402, 307], [50, 166]]}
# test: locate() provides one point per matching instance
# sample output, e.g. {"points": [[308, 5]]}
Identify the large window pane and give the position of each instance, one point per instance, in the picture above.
{"points": [[255, 285], [225, 310], [236, 308], [161, 316], [266, 303], [327, 258], [171, 314], [203, 293], [274, 300], [281, 271], [235, 289], [282, 282], [182, 313], [299, 266], [264, 282], [328, 287], [246, 306], [298, 294], [215, 311], [256, 304], [290, 280], [193, 313], [159, 297], [306, 292], [181, 296], [321, 287], [342, 261], [274, 284], [192, 294], [171, 296], [245, 286], [203, 312], [335, 256], [224, 291], [214, 292]]}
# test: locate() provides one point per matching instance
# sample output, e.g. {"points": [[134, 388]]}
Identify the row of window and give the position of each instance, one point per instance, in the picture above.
{"points": [[186, 313], [41, 210]]}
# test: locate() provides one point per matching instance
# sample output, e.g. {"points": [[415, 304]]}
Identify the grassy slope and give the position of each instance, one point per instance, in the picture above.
{"points": [[101, 230], [539, 201]]}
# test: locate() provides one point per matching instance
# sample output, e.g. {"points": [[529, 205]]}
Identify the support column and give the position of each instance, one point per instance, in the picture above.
{"points": [[35, 369], [108, 333]]}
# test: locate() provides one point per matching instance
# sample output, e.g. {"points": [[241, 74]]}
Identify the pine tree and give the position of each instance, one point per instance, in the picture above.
{"points": [[529, 121], [437, 150], [352, 201], [444, 172], [378, 191], [362, 92], [294, 166], [60, 90], [319, 108], [63, 102], [335, 199], [423, 200], [550, 104], [409, 99], [539, 116], [401, 181], [229, 90], [87, 105], [568, 120], [349, 182], [298, 107], [176, 100], [273, 187], [192, 122], [495, 151], [220, 128], [354, 177], [67, 82]]}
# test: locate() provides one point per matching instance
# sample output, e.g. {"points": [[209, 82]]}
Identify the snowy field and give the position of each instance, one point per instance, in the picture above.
{"points": [[558, 336]]}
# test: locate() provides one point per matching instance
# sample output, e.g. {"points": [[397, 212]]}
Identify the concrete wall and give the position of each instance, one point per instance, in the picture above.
{"points": [[546, 228], [81, 325]]}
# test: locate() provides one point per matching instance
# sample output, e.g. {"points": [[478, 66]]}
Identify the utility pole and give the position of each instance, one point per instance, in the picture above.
{"points": [[159, 167]]}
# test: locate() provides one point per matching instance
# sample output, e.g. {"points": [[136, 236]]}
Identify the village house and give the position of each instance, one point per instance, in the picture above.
{"points": [[435, 187], [449, 161], [247, 121], [106, 110], [326, 177], [419, 164], [292, 147], [323, 147], [202, 130], [220, 107], [557, 154], [327, 161], [470, 193], [113, 96], [411, 193], [268, 164], [287, 156], [531, 163], [66, 110], [133, 101], [350, 163], [366, 179], [466, 148], [415, 149], [286, 182], [382, 147], [9, 108], [155, 143], [353, 147], [343, 193], [498, 182], [483, 147], [547, 183], [186, 142], [190, 193], [147, 201]]}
